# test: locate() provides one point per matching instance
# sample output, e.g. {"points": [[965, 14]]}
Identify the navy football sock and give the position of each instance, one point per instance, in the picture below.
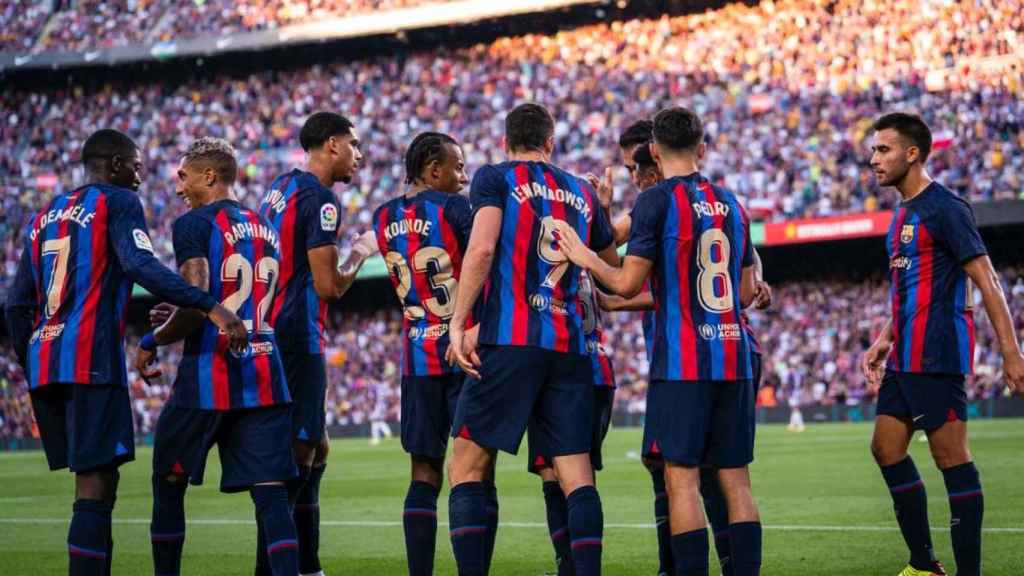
{"points": [[586, 528], [666, 565], [275, 519], [262, 563], [307, 521], [492, 522], [690, 550], [88, 538], [745, 538], [718, 516], [911, 504], [295, 485], [167, 526], [558, 527], [420, 523], [966, 509], [467, 523]]}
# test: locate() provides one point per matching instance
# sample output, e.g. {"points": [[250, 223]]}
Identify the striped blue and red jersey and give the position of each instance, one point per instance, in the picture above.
{"points": [[242, 250], [647, 323], [930, 239], [423, 239], [81, 254], [533, 299], [755, 346], [593, 333], [698, 237], [306, 216]]}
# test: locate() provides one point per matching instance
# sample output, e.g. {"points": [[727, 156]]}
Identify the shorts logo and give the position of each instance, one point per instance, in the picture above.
{"points": [[329, 217], [707, 331], [142, 240], [539, 302], [907, 233]]}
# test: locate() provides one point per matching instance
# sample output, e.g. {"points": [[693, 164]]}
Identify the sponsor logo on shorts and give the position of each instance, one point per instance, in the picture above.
{"points": [[720, 331]]}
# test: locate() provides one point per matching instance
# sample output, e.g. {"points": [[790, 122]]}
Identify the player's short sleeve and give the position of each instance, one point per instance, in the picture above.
{"points": [[460, 215], [488, 188], [959, 230], [601, 235], [191, 236], [648, 221], [748, 246], [320, 216]]}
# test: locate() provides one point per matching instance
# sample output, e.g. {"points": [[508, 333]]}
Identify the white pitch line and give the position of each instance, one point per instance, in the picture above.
{"points": [[392, 524]]}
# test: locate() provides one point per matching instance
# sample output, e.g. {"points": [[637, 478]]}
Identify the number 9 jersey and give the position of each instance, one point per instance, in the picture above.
{"points": [[243, 251], [698, 237], [423, 239]]}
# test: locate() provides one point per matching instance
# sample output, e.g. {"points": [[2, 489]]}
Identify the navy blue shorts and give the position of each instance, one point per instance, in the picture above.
{"points": [[928, 400], [604, 398], [84, 427], [428, 407], [306, 375], [700, 422], [254, 445], [522, 385]]}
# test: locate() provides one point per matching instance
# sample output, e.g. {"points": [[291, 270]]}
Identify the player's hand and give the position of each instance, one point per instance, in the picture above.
{"points": [[569, 243], [364, 243], [1013, 371], [145, 362], [160, 313], [609, 302], [762, 295], [605, 187], [872, 364], [456, 353], [232, 325]]}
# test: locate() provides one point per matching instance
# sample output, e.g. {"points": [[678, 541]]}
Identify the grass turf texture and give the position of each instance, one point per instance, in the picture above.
{"points": [[823, 502]]}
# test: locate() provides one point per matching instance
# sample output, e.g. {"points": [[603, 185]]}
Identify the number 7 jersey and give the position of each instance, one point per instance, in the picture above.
{"points": [[242, 250], [698, 237], [423, 239]]}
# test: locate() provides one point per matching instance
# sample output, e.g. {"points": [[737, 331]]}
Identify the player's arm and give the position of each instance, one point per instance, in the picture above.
{"points": [[181, 323], [626, 280], [620, 229], [333, 277], [130, 239], [747, 286], [475, 267], [20, 307], [872, 364], [985, 278], [615, 303], [762, 291]]}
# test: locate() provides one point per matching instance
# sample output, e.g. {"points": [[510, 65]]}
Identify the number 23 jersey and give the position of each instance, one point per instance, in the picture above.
{"points": [[242, 250], [423, 239], [698, 237], [533, 298]]}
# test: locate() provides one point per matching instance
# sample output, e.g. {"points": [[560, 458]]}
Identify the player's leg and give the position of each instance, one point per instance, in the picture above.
{"points": [[491, 415], [945, 395], [686, 519], [565, 421], [718, 516], [307, 511], [894, 429], [539, 463], [731, 450], [656, 467]]}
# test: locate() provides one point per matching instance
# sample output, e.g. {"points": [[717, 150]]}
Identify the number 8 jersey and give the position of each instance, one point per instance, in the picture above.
{"points": [[698, 237], [242, 250], [422, 239]]}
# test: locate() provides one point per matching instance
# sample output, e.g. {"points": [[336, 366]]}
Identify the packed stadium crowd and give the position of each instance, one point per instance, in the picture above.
{"points": [[77, 25], [812, 338]]}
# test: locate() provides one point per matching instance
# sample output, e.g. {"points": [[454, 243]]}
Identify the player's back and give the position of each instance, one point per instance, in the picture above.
{"points": [[305, 215], [533, 299], [81, 287], [242, 250], [423, 239], [704, 246]]}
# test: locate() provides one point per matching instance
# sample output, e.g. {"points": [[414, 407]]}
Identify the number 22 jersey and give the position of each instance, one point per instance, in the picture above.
{"points": [[243, 250], [423, 239], [698, 237]]}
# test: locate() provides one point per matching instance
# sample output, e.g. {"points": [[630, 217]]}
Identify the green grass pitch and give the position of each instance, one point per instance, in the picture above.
{"points": [[823, 503]]}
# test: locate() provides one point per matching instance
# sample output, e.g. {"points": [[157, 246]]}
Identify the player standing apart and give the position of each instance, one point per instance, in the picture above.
{"points": [[700, 409], [65, 314], [922, 355], [306, 214], [423, 235], [237, 401], [532, 353]]}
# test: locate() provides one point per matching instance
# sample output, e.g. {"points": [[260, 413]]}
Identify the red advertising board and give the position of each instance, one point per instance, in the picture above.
{"points": [[831, 228]]}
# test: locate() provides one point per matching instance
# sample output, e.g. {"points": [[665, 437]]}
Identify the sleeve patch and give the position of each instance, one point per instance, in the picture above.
{"points": [[142, 240], [329, 217]]}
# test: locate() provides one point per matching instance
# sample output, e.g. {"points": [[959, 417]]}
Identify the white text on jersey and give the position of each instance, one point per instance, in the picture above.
{"points": [[524, 192], [710, 209], [248, 231], [418, 226], [75, 214]]}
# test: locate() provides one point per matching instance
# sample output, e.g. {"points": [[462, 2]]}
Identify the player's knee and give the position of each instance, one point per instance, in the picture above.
{"points": [[885, 453], [176, 479], [470, 462], [682, 479], [322, 450], [428, 470], [947, 456], [653, 465], [304, 453], [97, 485]]}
